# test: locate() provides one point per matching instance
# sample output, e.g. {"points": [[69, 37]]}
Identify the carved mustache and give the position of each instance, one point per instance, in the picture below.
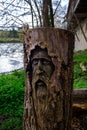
{"points": [[40, 83], [41, 73]]}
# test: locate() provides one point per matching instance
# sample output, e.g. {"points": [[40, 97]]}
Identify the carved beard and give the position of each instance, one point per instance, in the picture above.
{"points": [[39, 86], [41, 91], [47, 103], [41, 96]]}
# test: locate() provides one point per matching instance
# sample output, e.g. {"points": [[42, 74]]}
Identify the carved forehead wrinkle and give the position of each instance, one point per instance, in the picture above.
{"points": [[41, 54]]}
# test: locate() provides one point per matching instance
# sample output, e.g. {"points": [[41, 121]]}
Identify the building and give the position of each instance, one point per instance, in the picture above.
{"points": [[77, 22]]}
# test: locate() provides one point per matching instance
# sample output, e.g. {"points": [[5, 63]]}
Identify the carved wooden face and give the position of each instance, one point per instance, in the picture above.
{"points": [[41, 65], [42, 69]]}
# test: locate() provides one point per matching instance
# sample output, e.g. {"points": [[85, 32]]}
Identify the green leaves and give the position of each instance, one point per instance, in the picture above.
{"points": [[80, 77], [12, 100]]}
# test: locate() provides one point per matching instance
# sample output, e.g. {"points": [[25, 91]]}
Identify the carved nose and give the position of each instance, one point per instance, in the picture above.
{"points": [[40, 67], [39, 64], [39, 71]]}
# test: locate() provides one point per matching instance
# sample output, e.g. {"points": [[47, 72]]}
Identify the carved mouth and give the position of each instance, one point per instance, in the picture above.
{"points": [[39, 84], [41, 90]]}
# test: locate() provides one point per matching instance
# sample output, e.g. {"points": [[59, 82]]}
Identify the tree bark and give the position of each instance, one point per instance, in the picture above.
{"points": [[48, 19], [51, 14], [53, 112], [45, 14]]}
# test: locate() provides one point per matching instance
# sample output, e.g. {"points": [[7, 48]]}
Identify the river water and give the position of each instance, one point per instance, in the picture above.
{"points": [[11, 56]]}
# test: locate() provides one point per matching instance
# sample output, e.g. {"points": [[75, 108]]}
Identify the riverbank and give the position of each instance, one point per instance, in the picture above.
{"points": [[10, 40]]}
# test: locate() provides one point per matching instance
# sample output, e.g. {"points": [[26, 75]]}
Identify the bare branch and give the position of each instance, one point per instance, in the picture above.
{"points": [[58, 4]]}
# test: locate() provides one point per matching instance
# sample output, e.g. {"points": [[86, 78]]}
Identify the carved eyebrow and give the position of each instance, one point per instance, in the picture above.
{"points": [[54, 57], [46, 59]]}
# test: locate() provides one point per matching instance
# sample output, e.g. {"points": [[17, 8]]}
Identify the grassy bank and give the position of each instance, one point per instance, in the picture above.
{"points": [[12, 93], [11, 100], [80, 77], [9, 40]]}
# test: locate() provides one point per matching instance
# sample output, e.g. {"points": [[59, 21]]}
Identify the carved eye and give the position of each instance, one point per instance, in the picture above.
{"points": [[42, 61], [35, 62], [45, 62]]}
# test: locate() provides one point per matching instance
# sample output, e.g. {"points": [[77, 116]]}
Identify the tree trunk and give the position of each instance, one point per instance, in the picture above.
{"points": [[48, 99], [45, 14]]}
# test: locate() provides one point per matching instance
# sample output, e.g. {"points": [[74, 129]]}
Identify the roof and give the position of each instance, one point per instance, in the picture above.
{"points": [[77, 9]]}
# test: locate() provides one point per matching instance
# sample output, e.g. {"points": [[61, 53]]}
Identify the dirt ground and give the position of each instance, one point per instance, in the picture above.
{"points": [[79, 116]]}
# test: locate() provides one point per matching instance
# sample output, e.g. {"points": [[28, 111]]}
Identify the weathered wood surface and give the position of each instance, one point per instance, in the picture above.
{"points": [[55, 112], [80, 93], [80, 98]]}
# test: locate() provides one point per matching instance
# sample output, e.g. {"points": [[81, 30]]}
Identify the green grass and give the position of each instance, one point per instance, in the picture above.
{"points": [[12, 93], [9, 40], [11, 101], [80, 77]]}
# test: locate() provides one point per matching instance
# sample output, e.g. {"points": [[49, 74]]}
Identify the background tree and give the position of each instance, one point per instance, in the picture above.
{"points": [[48, 19], [15, 13]]}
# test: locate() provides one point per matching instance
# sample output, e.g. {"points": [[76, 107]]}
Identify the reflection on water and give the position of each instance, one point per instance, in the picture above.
{"points": [[11, 56]]}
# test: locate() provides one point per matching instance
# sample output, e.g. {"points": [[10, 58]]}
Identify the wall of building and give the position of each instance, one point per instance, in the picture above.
{"points": [[80, 42]]}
